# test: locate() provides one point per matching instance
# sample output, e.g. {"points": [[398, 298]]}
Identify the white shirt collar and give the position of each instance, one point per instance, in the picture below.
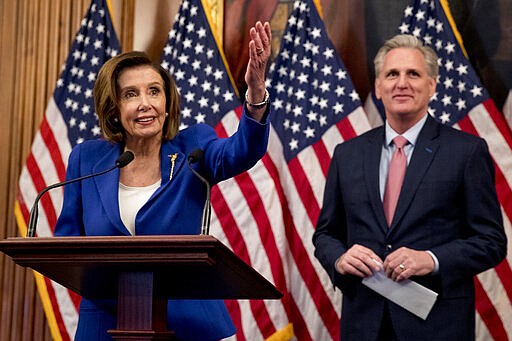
{"points": [[411, 134]]}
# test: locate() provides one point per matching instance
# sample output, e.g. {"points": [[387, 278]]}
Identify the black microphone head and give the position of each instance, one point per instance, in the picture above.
{"points": [[124, 159], [195, 155]]}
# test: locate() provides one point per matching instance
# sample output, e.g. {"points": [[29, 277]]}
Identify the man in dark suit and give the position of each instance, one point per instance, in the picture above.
{"points": [[447, 225]]}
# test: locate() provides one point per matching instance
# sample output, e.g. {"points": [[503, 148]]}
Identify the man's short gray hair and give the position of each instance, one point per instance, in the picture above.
{"points": [[407, 41]]}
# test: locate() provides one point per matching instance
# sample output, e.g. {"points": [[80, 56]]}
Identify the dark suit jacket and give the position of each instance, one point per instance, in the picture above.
{"points": [[447, 205], [91, 208]]}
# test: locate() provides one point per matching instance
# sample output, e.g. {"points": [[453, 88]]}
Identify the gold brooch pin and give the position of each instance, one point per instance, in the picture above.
{"points": [[173, 158]]}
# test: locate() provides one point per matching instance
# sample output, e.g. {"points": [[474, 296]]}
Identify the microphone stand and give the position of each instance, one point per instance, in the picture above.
{"points": [[122, 161]]}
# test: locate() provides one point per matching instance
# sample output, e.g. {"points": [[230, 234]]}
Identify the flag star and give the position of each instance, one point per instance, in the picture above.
{"points": [[338, 108], [279, 87], [183, 59], [341, 74], [96, 130], [315, 50], [323, 120], [427, 38], [461, 86], [187, 43], [447, 100], [179, 75], [201, 33], [340, 91], [192, 81], [72, 122], [476, 91], [294, 144], [323, 103], [196, 65], [461, 104], [327, 70], [189, 96], [309, 132], [218, 74], [314, 100], [297, 111], [328, 53], [312, 116], [277, 104], [450, 48], [203, 102], [431, 22], [302, 78], [354, 95], [420, 15], [448, 83], [100, 28], [95, 61], [82, 126], [295, 127], [408, 11], [316, 33], [445, 117], [228, 96], [88, 93], [439, 27], [305, 62], [448, 65], [325, 86], [86, 109], [300, 94], [462, 69], [206, 86], [404, 28], [416, 32], [186, 112], [200, 118]]}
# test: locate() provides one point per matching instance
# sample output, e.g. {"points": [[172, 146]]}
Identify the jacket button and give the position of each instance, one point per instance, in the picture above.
{"points": [[388, 247]]}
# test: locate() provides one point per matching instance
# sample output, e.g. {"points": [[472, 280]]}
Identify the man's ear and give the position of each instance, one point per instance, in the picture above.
{"points": [[377, 88]]}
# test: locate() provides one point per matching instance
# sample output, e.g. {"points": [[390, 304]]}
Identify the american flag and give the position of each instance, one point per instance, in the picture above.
{"points": [[461, 101], [69, 119], [267, 215]]}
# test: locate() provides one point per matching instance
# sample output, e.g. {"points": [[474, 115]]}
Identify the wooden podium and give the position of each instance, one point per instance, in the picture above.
{"points": [[143, 272]]}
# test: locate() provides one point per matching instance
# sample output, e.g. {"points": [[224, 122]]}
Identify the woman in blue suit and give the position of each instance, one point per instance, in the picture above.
{"points": [[137, 104]]}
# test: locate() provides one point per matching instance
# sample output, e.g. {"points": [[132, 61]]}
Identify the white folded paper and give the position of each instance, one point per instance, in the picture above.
{"points": [[408, 294]]}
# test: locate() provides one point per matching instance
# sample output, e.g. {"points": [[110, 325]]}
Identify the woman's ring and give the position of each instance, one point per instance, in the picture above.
{"points": [[402, 267]]}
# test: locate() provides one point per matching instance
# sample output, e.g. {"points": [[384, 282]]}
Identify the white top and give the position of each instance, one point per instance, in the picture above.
{"points": [[131, 199]]}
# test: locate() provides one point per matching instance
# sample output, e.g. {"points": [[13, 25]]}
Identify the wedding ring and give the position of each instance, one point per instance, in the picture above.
{"points": [[402, 267], [259, 51]]}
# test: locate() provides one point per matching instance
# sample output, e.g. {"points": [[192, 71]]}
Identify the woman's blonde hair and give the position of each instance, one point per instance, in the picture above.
{"points": [[106, 96]]}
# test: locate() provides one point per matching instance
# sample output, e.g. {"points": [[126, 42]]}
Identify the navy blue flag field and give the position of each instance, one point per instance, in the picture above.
{"points": [[461, 101], [69, 119]]}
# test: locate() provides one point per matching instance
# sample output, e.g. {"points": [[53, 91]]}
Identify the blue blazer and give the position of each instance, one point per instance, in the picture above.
{"points": [[91, 208], [447, 204]]}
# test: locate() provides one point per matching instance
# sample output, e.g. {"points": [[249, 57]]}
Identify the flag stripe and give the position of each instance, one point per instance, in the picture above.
{"points": [[488, 313]]}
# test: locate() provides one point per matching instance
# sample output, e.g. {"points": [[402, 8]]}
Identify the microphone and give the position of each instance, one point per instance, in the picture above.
{"points": [[123, 159], [193, 157]]}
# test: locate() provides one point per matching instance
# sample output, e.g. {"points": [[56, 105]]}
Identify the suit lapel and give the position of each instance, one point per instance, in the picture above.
{"points": [[107, 186], [371, 155], [426, 147]]}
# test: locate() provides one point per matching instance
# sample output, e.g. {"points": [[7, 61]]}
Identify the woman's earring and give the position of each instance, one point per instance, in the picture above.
{"points": [[116, 120], [166, 114]]}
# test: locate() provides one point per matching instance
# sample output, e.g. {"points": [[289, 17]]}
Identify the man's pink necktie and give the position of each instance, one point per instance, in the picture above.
{"points": [[396, 175]]}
